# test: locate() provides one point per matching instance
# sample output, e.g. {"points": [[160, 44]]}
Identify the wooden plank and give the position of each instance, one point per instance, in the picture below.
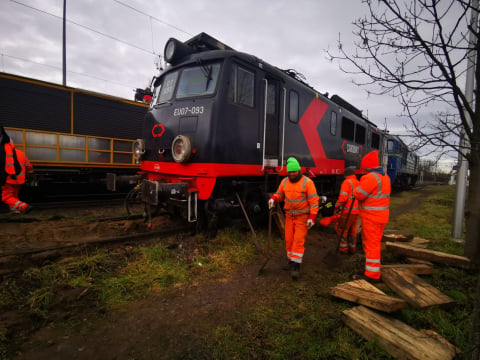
{"points": [[365, 285], [417, 268], [395, 235], [418, 261], [419, 241], [414, 290], [361, 292], [430, 255], [396, 338]]}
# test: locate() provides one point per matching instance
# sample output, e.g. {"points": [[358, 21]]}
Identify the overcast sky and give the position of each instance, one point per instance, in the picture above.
{"points": [[112, 45]]}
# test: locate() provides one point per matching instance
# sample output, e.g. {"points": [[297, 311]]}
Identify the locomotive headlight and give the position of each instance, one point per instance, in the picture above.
{"points": [[181, 149], [138, 149], [175, 50], [169, 50]]}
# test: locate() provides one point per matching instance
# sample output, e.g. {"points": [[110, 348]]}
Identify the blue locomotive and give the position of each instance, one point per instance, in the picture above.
{"points": [[402, 165]]}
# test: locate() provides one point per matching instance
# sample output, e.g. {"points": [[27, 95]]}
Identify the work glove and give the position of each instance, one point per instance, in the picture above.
{"points": [[271, 204], [310, 224]]}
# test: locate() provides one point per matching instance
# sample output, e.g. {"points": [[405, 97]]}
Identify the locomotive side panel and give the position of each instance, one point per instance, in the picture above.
{"points": [[301, 134], [236, 136]]}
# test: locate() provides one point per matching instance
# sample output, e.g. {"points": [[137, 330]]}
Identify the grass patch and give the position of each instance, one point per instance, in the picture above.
{"points": [[431, 220]]}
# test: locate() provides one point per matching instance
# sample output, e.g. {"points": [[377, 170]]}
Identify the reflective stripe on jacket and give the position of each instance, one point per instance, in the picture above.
{"points": [[346, 195], [300, 197], [373, 194], [16, 175]]}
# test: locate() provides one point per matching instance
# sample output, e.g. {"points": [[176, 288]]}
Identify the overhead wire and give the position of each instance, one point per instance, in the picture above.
{"points": [[85, 27], [99, 33], [152, 17], [59, 68]]}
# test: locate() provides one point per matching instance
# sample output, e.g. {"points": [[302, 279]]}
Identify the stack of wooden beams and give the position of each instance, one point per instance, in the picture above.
{"points": [[395, 337]]}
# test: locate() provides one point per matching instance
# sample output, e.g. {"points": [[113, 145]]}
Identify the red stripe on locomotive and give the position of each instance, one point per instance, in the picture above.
{"points": [[309, 124]]}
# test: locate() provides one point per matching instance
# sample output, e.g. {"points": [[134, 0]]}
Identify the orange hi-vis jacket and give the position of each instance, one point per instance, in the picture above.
{"points": [[300, 197], [346, 195], [373, 194], [26, 167]]}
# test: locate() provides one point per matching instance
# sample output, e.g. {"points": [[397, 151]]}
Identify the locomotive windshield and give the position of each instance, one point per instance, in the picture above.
{"points": [[167, 87], [195, 81]]}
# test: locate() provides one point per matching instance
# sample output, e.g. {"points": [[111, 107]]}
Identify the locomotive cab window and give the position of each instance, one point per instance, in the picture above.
{"points": [[390, 147], [293, 110], [198, 81], [241, 87], [333, 123], [272, 97], [375, 141], [360, 134], [348, 129], [167, 87]]}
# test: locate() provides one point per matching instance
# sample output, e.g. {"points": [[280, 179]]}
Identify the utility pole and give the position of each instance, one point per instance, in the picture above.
{"points": [[462, 172], [64, 47]]}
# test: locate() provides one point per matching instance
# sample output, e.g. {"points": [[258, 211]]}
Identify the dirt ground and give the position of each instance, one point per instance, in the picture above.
{"points": [[166, 325]]}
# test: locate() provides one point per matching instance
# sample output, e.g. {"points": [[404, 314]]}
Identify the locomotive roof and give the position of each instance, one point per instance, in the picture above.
{"points": [[211, 55], [206, 48]]}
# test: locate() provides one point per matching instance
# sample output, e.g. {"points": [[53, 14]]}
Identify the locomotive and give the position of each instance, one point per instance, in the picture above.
{"points": [[222, 124], [402, 165], [72, 137]]}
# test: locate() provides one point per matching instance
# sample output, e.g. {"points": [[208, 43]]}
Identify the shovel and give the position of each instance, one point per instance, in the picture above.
{"points": [[267, 253], [333, 258]]}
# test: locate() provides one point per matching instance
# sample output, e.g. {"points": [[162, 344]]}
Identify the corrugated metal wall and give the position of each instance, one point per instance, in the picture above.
{"points": [[104, 117], [30, 104]]}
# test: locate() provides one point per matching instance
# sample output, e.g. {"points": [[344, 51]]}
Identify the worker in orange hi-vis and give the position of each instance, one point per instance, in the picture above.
{"points": [[301, 208], [347, 207], [373, 195], [14, 168]]}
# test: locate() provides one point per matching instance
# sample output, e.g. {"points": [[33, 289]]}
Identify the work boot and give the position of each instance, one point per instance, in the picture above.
{"points": [[352, 245], [28, 209], [295, 271], [288, 266]]}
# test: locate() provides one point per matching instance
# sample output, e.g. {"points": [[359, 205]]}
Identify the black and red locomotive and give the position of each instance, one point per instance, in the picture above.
{"points": [[222, 124]]}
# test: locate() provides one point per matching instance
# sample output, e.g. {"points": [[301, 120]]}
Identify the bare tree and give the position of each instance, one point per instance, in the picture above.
{"points": [[419, 51]]}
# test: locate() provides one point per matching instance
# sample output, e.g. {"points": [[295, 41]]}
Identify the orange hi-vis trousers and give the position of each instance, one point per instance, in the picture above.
{"points": [[295, 232], [349, 232], [372, 233], [10, 197]]}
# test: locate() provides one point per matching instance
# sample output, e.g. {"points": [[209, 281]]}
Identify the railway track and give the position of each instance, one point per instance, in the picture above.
{"points": [[48, 234], [81, 230]]}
